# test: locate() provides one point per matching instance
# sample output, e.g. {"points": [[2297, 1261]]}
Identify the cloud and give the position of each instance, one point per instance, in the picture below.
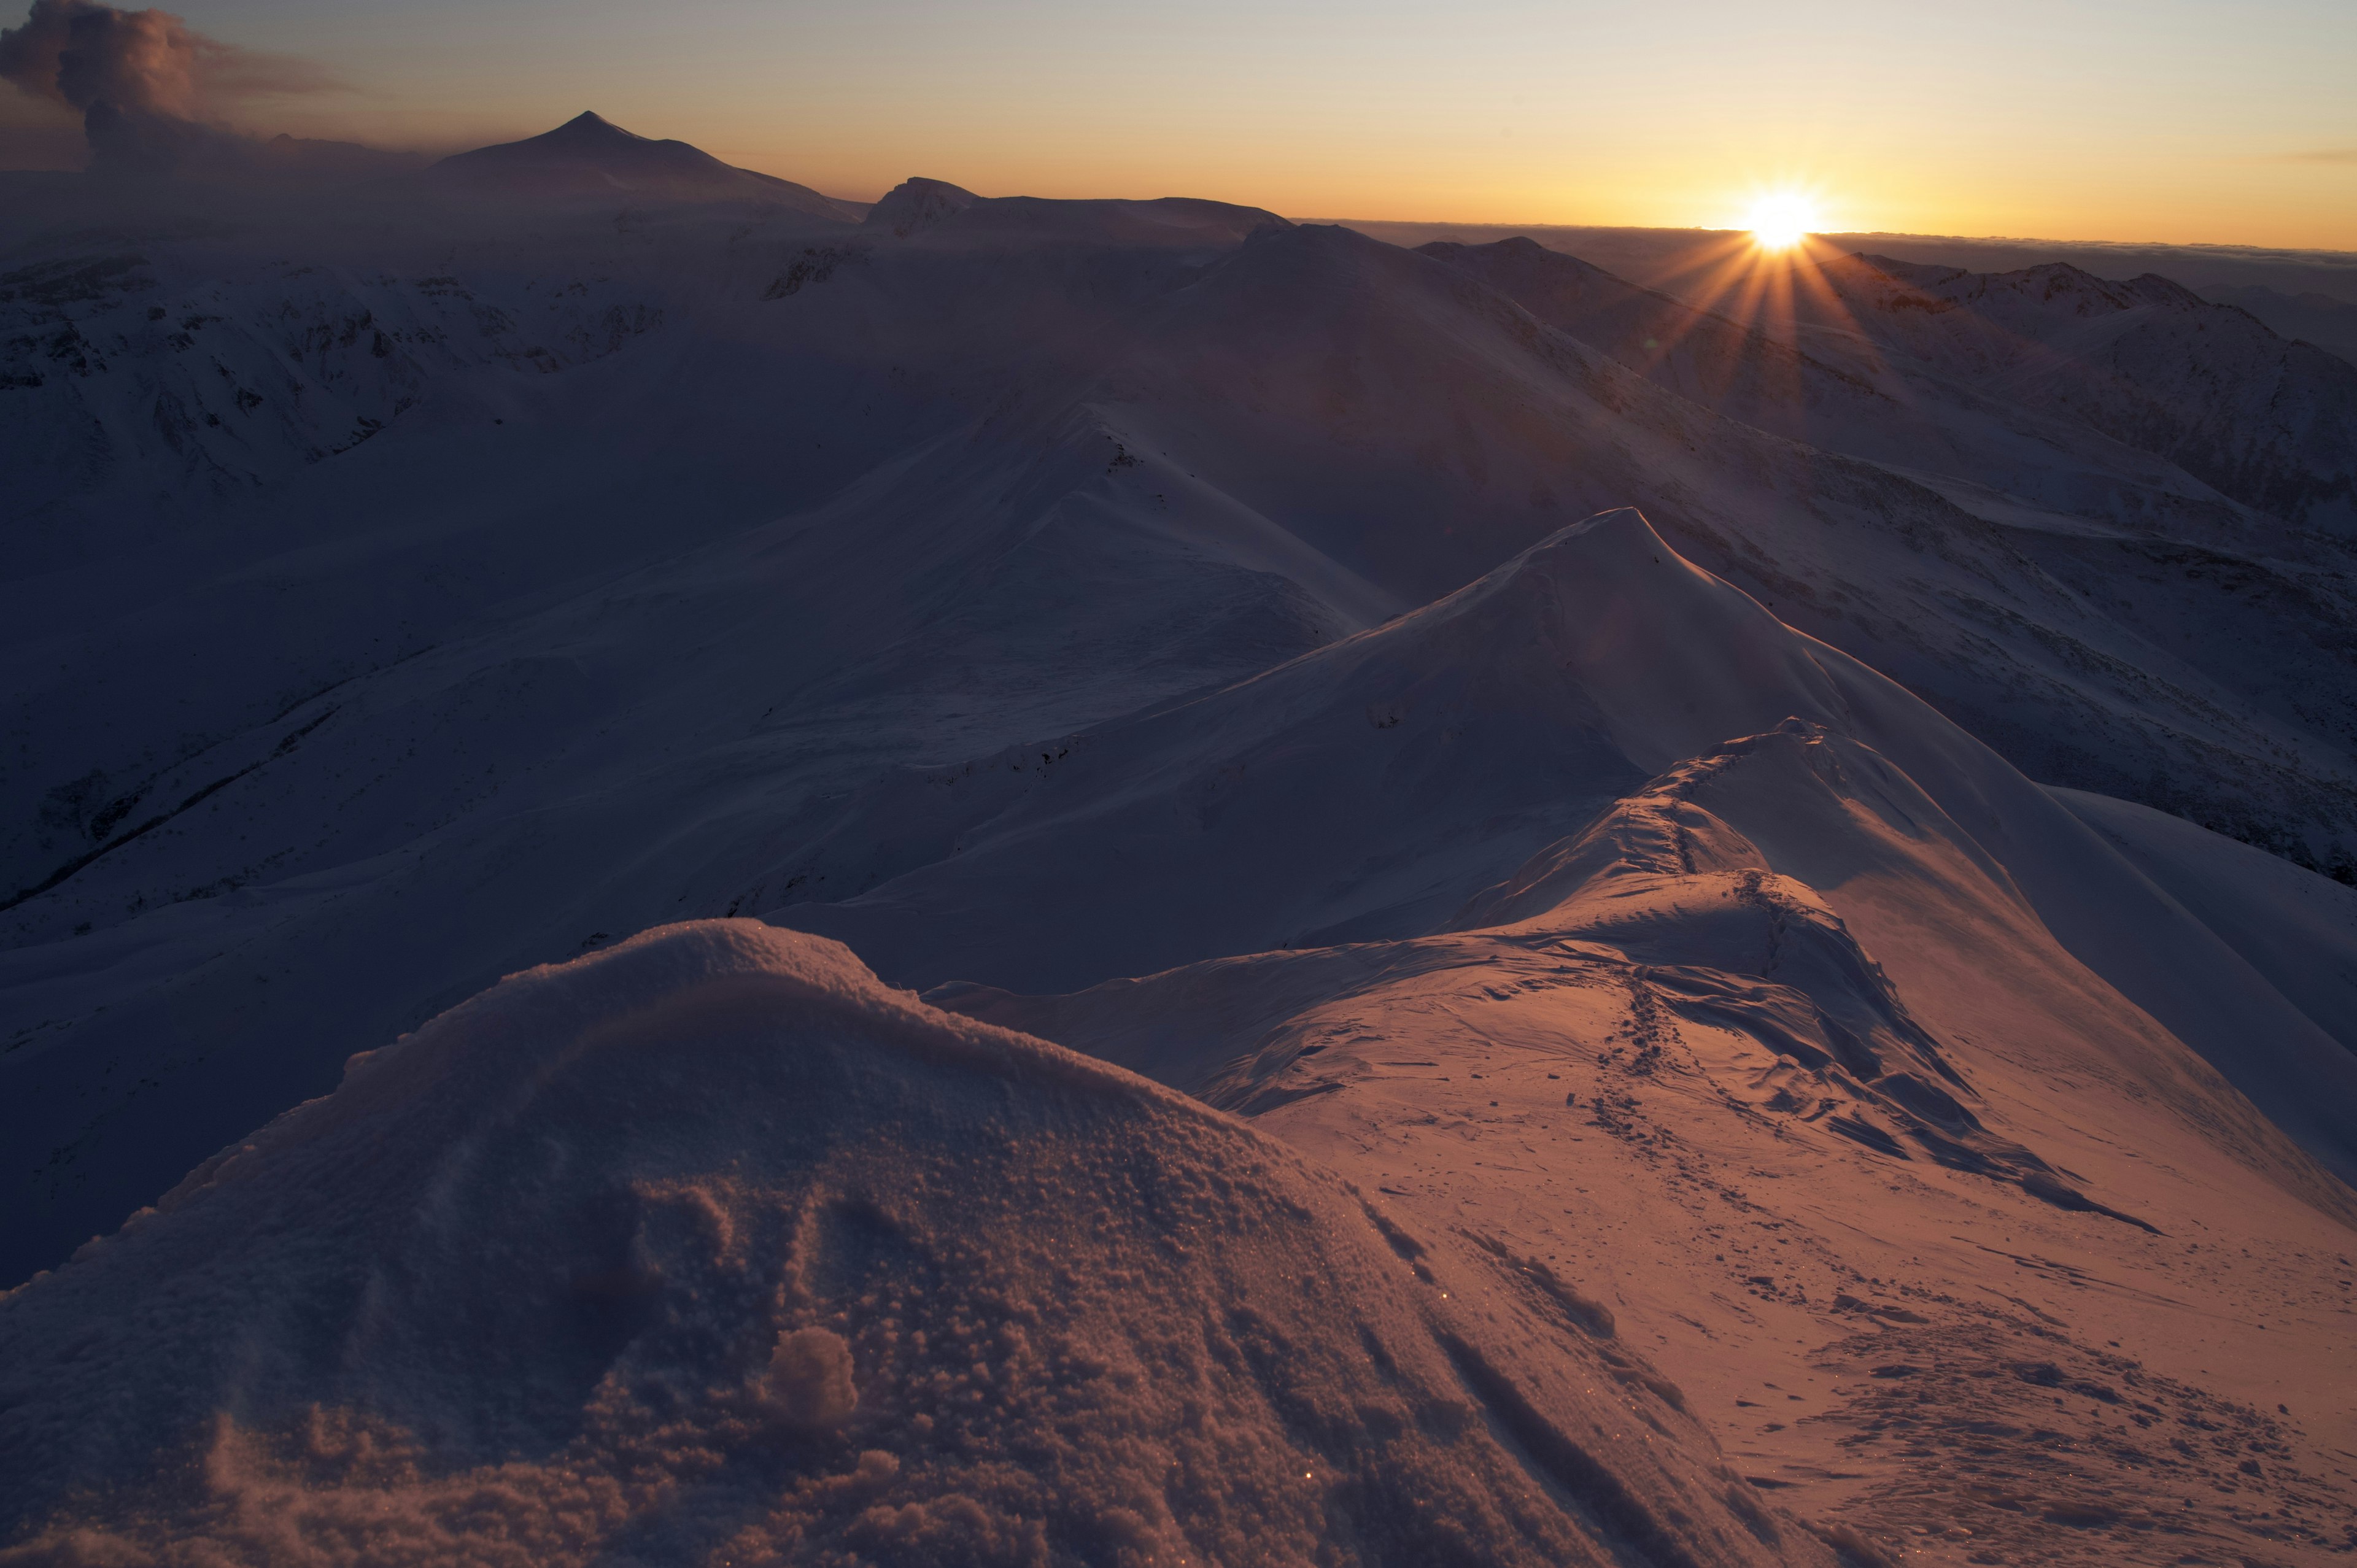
{"points": [[149, 86], [2321, 155]]}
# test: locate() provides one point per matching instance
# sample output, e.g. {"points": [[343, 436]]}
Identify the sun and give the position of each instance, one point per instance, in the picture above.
{"points": [[1781, 220]]}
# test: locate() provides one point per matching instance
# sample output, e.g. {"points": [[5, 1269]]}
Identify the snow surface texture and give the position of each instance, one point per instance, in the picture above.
{"points": [[710, 1247], [1228, 648], [1776, 1063], [1370, 788]]}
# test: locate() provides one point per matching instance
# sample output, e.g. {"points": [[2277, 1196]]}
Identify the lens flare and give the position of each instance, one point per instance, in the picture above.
{"points": [[1781, 221]]}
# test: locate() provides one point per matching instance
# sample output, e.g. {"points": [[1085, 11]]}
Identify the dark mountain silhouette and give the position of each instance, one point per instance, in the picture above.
{"points": [[590, 156]]}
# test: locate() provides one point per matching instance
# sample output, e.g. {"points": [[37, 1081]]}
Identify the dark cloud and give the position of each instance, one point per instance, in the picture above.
{"points": [[149, 86], [2323, 156]]}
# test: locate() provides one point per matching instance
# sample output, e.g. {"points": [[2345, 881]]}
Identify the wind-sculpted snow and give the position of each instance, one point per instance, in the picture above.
{"points": [[1370, 788], [709, 1247], [1858, 1136]]}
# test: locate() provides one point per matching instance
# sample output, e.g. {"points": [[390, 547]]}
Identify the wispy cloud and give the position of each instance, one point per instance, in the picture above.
{"points": [[2319, 156], [149, 86]]}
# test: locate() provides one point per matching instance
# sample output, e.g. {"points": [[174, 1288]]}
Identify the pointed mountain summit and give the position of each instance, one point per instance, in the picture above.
{"points": [[590, 156]]}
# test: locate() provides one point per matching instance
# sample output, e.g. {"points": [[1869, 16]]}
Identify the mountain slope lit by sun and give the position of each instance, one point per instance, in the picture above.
{"points": [[865, 815]]}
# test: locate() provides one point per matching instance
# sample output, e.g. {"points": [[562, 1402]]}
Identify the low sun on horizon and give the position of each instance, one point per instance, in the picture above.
{"points": [[1781, 220]]}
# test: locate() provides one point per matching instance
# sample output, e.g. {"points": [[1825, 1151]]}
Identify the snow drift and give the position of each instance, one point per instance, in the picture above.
{"points": [[710, 1247]]}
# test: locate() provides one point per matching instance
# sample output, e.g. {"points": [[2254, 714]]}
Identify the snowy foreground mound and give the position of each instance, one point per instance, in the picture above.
{"points": [[711, 1248]]}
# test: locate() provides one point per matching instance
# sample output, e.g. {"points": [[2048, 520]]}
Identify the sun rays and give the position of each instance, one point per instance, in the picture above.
{"points": [[1781, 220], [1769, 278]]}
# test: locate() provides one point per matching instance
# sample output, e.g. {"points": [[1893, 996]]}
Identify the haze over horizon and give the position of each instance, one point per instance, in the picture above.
{"points": [[2175, 124]]}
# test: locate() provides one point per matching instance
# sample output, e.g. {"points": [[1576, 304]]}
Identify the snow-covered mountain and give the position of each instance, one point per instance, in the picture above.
{"points": [[2329, 322], [1370, 791], [1377, 693], [589, 157], [2270, 421]]}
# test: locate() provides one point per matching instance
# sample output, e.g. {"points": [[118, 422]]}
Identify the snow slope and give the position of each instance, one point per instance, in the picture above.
{"points": [[2299, 930], [2328, 322], [1885, 410], [709, 1247], [307, 744], [1774, 1062], [2270, 421], [1224, 645], [1370, 788]]}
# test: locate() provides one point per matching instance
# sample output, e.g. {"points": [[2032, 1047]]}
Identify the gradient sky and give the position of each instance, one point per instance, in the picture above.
{"points": [[2060, 119]]}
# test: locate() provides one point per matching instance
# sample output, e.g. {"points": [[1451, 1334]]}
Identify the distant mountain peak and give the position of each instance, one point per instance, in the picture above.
{"points": [[918, 203], [590, 155], [589, 125]]}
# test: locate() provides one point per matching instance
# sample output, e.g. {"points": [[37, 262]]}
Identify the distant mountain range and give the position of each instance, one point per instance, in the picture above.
{"points": [[2323, 319], [2269, 421], [2297, 293]]}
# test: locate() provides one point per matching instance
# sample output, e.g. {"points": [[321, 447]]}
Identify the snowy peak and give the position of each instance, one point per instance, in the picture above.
{"points": [[1459, 738], [586, 129], [917, 203], [1674, 658], [590, 156], [717, 1192]]}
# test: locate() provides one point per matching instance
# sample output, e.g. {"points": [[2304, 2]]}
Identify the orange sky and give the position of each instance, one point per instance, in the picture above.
{"points": [[2165, 120]]}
